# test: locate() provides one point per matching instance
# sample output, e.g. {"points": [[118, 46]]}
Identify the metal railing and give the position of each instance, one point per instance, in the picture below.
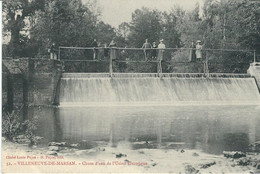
{"points": [[148, 55]]}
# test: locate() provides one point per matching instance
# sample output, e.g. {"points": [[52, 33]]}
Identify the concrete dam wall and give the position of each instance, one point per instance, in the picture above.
{"points": [[30, 82], [80, 89], [39, 82]]}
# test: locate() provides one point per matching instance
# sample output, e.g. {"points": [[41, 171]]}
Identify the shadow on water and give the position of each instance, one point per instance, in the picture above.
{"points": [[236, 141], [208, 128]]}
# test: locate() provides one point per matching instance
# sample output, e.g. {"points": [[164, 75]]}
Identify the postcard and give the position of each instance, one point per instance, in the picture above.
{"points": [[137, 86]]}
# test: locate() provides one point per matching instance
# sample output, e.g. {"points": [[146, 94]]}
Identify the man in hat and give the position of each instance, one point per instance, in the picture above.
{"points": [[161, 48], [53, 51], [94, 44], [146, 46], [106, 52]]}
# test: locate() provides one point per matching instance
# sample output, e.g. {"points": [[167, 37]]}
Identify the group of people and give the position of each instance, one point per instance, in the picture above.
{"points": [[152, 51], [112, 44], [95, 46], [196, 51], [147, 48]]}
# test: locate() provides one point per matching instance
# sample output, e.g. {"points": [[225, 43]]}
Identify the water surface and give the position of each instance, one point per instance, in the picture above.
{"points": [[208, 128]]}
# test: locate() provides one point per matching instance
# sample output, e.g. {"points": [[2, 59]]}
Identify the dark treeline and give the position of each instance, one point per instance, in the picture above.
{"points": [[32, 25]]}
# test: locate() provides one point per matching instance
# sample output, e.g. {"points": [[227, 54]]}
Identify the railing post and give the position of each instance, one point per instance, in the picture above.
{"points": [[206, 64], [112, 54], [59, 53], [159, 68], [254, 57], [94, 54]]}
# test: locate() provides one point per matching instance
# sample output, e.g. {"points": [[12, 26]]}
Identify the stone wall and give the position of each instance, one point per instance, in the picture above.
{"points": [[254, 70], [30, 81], [83, 66]]}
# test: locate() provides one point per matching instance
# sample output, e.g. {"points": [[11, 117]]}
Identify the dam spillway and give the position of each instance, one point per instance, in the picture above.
{"points": [[126, 89]]}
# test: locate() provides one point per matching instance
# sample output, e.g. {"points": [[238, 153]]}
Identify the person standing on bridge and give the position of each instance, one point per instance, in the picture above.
{"points": [[154, 52], [199, 55], [192, 52], [161, 48], [146, 46], [199, 50], [200, 59], [113, 45], [94, 44], [53, 51], [106, 51]]}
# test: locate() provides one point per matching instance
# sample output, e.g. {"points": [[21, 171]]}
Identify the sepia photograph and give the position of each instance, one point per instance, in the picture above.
{"points": [[130, 86]]}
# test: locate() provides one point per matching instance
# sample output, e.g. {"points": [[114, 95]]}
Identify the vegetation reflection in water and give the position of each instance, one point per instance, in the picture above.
{"points": [[208, 128]]}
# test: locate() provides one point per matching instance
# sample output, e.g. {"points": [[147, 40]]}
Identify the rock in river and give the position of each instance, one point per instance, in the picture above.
{"points": [[234, 154], [190, 169], [207, 164], [52, 153], [53, 148]]}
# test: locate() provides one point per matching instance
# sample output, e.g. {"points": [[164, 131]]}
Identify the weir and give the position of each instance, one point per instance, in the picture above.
{"points": [[86, 89], [107, 87]]}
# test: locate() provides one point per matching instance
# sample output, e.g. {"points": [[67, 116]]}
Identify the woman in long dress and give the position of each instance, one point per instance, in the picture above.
{"points": [[203, 60], [112, 45], [192, 52], [161, 48], [199, 50], [154, 52]]}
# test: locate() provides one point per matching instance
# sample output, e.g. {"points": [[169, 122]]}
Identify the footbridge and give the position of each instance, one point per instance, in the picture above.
{"points": [[131, 76], [85, 76]]}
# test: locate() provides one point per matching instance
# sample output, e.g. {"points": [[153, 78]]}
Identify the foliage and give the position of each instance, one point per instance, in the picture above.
{"points": [[170, 33], [65, 22], [11, 124], [15, 13], [29, 127], [145, 24], [13, 128], [104, 33], [219, 27], [34, 24], [123, 33]]}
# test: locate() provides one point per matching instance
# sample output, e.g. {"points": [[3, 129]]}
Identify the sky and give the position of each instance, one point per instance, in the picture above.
{"points": [[114, 12]]}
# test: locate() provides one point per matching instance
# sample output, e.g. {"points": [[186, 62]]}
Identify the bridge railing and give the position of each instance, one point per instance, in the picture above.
{"points": [[155, 57]]}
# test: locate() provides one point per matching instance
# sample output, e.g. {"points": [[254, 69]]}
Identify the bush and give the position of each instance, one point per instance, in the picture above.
{"points": [[14, 129], [11, 125], [29, 127]]}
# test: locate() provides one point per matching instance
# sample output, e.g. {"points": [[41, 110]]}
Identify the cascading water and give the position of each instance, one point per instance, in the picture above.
{"points": [[171, 111], [77, 89]]}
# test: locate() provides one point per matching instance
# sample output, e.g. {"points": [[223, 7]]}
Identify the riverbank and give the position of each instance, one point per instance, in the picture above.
{"points": [[117, 160]]}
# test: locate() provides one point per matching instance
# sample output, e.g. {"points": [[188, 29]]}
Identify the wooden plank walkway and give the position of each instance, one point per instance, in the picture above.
{"points": [[153, 75]]}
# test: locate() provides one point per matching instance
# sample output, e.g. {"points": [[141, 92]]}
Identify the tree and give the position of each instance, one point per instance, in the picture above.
{"points": [[15, 13], [170, 25], [123, 33], [145, 24], [248, 13], [65, 22], [154, 25], [104, 33]]}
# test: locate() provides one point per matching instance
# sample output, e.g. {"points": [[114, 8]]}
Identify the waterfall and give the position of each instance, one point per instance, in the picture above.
{"points": [[79, 89]]}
